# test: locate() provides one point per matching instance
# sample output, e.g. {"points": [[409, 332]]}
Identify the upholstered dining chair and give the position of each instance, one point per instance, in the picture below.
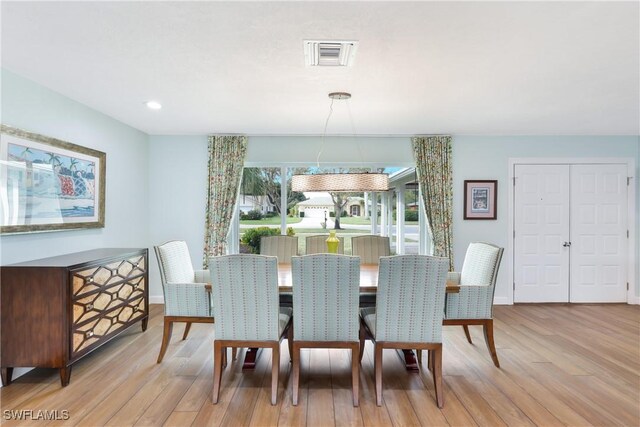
{"points": [[473, 305], [325, 309], [318, 245], [408, 312], [248, 314], [186, 297], [370, 248], [282, 247]]}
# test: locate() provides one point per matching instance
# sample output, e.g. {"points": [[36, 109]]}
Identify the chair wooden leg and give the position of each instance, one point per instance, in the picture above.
{"points": [[430, 360], [419, 356], [217, 370], [355, 374], [491, 345], [290, 341], [166, 337], [362, 342], [466, 332], [437, 376], [224, 357], [187, 328], [275, 369], [296, 373], [377, 361]]}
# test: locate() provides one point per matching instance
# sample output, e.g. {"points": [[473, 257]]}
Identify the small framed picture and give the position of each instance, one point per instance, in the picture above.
{"points": [[480, 198]]}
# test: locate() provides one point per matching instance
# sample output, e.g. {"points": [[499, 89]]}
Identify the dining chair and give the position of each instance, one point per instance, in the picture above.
{"points": [[282, 247], [370, 248], [325, 309], [318, 245], [248, 313], [473, 305], [408, 313], [186, 297]]}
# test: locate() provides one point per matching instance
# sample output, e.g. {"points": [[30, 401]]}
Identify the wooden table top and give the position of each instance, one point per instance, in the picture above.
{"points": [[368, 279]]}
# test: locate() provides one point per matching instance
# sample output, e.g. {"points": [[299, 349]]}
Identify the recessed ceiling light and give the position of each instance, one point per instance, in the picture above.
{"points": [[154, 105]]}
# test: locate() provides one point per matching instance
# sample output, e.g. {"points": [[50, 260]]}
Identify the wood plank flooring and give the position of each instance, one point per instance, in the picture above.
{"points": [[572, 365]]}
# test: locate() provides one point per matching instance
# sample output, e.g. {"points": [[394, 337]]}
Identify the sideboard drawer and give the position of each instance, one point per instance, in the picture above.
{"points": [[102, 327], [94, 304], [94, 278]]}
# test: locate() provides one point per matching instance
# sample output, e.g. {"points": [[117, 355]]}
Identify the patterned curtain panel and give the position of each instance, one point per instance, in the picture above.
{"points": [[226, 160], [433, 164]]}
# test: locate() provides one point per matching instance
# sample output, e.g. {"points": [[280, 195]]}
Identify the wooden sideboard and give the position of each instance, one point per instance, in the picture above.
{"points": [[56, 310]]}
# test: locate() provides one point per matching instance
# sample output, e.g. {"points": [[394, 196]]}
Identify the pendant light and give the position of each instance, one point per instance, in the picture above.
{"points": [[339, 182]]}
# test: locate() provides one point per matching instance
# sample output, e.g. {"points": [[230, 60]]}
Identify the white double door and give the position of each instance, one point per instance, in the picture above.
{"points": [[570, 233]]}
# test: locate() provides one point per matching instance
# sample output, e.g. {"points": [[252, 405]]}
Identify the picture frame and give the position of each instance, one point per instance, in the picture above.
{"points": [[480, 199], [48, 184]]}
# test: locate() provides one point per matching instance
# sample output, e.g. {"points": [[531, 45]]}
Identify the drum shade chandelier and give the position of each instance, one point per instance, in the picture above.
{"points": [[339, 182]]}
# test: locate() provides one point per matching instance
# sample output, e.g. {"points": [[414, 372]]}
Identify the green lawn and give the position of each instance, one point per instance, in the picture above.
{"points": [[269, 221], [356, 220]]}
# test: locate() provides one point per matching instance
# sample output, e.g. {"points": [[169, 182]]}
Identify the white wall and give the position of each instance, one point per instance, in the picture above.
{"points": [[29, 106], [177, 198], [486, 157]]}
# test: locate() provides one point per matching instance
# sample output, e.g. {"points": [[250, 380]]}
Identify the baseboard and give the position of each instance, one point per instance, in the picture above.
{"points": [[156, 299], [634, 301], [502, 301]]}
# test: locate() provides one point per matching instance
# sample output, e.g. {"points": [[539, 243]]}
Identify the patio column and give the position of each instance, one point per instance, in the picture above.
{"points": [[400, 220], [384, 201], [389, 223], [284, 196], [366, 205], [424, 246], [374, 213]]}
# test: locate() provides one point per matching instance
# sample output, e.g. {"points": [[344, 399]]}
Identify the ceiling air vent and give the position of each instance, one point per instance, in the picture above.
{"points": [[330, 53]]}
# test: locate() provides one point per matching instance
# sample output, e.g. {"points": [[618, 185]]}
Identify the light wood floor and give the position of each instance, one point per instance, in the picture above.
{"points": [[561, 365]]}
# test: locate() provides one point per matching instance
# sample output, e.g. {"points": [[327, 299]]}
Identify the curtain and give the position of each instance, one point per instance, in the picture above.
{"points": [[226, 161], [433, 164]]}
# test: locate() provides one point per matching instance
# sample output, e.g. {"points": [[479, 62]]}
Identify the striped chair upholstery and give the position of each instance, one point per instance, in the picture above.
{"points": [[248, 313], [326, 288], [282, 247], [186, 298], [408, 313], [245, 296], [477, 283], [473, 305], [370, 248], [318, 245]]}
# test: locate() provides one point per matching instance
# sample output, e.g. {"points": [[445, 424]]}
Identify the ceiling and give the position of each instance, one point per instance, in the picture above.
{"points": [[492, 68]]}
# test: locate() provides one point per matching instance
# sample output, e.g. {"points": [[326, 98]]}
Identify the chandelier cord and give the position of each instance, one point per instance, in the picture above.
{"points": [[324, 132], [355, 135]]}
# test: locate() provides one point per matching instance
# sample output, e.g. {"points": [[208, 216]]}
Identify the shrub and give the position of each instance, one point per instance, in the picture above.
{"points": [[252, 237], [291, 231], [243, 216], [344, 213], [254, 214], [411, 215], [270, 214], [332, 214]]}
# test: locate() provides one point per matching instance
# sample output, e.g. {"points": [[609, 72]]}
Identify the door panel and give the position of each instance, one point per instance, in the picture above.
{"points": [[599, 233], [541, 262]]}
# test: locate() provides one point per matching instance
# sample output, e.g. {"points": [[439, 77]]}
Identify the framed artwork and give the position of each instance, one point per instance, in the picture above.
{"points": [[49, 185], [480, 199]]}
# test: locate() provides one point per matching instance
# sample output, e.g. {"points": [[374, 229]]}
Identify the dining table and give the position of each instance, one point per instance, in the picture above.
{"points": [[368, 288]]}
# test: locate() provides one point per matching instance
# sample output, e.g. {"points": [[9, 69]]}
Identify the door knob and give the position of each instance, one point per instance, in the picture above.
{"points": [[566, 244]]}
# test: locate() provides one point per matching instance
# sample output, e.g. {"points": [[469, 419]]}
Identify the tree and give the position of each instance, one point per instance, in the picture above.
{"points": [[266, 182], [340, 200]]}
